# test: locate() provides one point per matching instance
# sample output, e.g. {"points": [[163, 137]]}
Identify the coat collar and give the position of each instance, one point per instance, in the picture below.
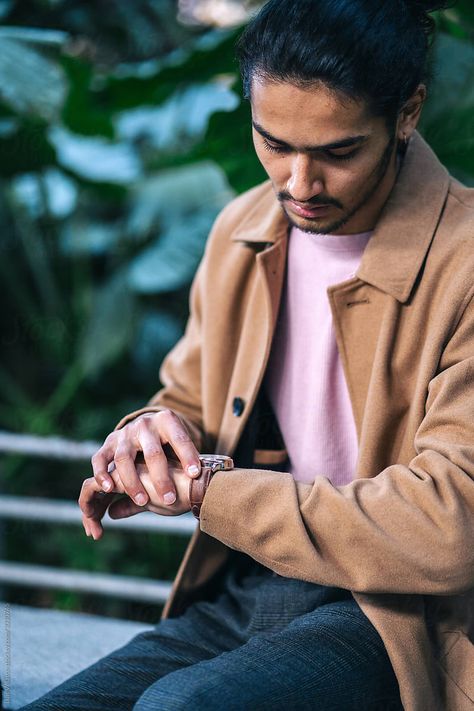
{"points": [[403, 234], [397, 249]]}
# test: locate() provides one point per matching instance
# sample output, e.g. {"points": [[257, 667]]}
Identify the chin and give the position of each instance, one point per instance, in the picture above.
{"points": [[321, 227], [313, 226]]}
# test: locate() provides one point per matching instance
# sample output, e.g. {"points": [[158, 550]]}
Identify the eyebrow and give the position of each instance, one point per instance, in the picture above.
{"points": [[344, 143]]}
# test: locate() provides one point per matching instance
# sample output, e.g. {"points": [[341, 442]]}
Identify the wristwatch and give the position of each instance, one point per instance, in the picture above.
{"points": [[210, 464]]}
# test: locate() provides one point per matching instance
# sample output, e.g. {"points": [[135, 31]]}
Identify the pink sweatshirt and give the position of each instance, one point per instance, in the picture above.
{"points": [[305, 380]]}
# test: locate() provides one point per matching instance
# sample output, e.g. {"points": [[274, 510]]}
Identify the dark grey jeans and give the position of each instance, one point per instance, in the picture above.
{"points": [[266, 643]]}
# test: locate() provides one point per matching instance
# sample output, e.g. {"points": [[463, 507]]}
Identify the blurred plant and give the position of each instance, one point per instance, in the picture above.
{"points": [[222, 13], [107, 201]]}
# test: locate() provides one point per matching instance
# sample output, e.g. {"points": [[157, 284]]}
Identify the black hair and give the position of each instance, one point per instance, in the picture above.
{"points": [[376, 50]]}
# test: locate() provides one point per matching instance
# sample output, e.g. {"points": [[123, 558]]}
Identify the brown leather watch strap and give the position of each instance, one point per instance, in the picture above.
{"points": [[198, 488]]}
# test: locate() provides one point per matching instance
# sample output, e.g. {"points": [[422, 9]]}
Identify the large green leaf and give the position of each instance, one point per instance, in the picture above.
{"points": [[453, 84], [184, 202], [30, 83], [158, 332], [51, 194], [110, 327], [177, 124], [174, 194], [95, 158], [84, 111], [26, 149], [448, 117], [171, 262], [81, 237], [464, 10], [199, 66], [33, 35], [229, 143]]}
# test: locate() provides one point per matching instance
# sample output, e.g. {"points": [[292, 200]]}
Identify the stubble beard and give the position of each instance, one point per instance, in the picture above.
{"points": [[378, 174]]}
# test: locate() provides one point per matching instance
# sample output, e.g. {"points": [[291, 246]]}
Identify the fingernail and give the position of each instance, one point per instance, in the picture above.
{"points": [[169, 497], [193, 469], [106, 485], [141, 499]]}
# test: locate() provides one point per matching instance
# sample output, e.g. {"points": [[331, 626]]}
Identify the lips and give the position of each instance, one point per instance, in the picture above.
{"points": [[304, 211]]}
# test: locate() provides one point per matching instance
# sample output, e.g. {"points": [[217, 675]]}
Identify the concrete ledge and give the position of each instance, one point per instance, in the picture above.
{"points": [[42, 648]]}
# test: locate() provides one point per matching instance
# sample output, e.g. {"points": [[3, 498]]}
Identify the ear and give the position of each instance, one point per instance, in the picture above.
{"points": [[410, 114]]}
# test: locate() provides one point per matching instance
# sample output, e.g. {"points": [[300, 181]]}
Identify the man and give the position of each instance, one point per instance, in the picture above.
{"points": [[330, 351]]}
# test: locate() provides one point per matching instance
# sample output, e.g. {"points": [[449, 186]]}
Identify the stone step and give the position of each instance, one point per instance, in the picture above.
{"points": [[42, 648]]}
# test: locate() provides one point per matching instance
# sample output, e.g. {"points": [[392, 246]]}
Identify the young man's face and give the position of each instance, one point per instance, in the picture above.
{"points": [[331, 163]]}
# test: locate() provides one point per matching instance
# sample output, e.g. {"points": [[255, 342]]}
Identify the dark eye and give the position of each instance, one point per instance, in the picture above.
{"points": [[273, 149], [341, 156]]}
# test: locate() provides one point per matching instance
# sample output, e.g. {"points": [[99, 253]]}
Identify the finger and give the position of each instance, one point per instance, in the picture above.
{"points": [[93, 504], [92, 528], [155, 506], [87, 496], [94, 524], [96, 530], [174, 432], [85, 526], [123, 508], [100, 462], [157, 465], [125, 465]]}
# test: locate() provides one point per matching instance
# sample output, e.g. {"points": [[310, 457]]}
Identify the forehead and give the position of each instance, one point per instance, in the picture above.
{"points": [[309, 115]]}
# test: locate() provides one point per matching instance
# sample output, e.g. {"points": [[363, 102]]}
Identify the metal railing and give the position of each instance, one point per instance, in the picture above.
{"points": [[45, 510]]}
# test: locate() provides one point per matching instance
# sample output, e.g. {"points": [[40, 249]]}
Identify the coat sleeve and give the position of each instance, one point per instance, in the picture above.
{"points": [[409, 529]]}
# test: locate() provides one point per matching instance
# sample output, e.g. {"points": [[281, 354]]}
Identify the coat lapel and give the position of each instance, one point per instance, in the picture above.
{"points": [[256, 336], [396, 251], [366, 308]]}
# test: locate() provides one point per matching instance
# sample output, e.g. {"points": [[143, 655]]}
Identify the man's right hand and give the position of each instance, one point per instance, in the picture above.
{"points": [[148, 433], [94, 502]]}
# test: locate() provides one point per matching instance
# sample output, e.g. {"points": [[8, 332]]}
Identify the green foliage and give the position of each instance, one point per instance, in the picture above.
{"points": [[448, 117], [108, 230], [458, 21]]}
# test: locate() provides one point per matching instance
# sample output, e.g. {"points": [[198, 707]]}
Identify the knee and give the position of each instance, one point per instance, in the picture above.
{"points": [[175, 692], [156, 697]]}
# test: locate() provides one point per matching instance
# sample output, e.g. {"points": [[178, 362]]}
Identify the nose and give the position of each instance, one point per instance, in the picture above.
{"points": [[305, 180]]}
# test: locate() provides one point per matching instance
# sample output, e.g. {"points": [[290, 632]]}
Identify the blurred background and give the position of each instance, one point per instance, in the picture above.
{"points": [[122, 134]]}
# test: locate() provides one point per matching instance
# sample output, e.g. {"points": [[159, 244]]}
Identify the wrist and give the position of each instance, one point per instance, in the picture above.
{"points": [[210, 464], [197, 490]]}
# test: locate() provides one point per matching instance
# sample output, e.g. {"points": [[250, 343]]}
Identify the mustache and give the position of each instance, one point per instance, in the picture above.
{"points": [[315, 201]]}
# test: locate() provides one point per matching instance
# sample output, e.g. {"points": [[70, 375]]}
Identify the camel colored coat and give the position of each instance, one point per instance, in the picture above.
{"points": [[401, 535]]}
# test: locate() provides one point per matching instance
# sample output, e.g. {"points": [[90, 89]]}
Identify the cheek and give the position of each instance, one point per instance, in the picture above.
{"points": [[342, 181], [348, 182], [277, 168]]}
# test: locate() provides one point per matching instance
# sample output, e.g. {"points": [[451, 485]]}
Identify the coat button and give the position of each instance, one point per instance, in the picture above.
{"points": [[238, 406]]}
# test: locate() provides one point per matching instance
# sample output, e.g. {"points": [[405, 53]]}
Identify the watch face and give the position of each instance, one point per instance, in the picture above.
{"points": [[216, 460]]}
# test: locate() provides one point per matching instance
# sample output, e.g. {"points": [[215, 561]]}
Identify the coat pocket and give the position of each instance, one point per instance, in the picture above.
{"points": [[267, 457]]}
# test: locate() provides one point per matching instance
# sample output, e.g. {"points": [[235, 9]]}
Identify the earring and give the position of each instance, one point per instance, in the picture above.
{"points": [[405, 140]]}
